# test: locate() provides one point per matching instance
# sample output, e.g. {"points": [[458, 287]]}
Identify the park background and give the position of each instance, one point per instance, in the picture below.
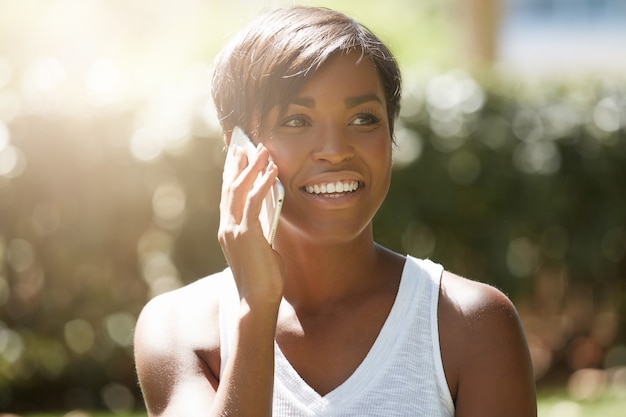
{"points": [[510, 169]]}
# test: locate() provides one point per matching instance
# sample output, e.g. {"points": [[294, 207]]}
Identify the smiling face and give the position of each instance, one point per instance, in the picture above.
{"points": [[332, 146]]}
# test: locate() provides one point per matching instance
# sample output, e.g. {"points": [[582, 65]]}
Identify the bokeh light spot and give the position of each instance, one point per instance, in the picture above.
{"points": [[5, 136], [20, 254], [79, 336], [159, 272], [565, 409], [102, 80], [168, 204], [146, 144], [44, 75], [11, 344], [537, 157], [606, 115], [408, 147], [12, 162], [118, 397], [587, 384], [464, 167], [120, 328], [521, 257]]}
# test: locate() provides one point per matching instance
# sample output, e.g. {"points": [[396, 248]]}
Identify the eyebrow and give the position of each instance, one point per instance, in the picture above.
{"points": [[355, 101], [350, 102]]}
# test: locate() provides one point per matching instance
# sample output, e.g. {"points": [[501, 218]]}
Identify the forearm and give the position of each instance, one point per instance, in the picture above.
{"points": [[247, 382]]}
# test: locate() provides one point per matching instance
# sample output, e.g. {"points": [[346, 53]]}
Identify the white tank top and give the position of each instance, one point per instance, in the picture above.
{"points": [[402, 375]]}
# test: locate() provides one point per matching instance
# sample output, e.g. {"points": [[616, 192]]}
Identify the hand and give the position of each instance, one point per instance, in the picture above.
{"points": [[257, 268]]}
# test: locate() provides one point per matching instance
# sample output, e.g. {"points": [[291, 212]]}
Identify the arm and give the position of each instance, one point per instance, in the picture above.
{"points": [[485, 353], [248, 378], [177, 332], [178, 360]]}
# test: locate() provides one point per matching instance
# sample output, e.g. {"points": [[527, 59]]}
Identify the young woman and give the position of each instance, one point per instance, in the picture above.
{"points": [[326, 322]]}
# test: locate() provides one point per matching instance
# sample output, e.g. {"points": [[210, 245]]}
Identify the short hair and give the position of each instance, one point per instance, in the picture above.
{"points": [[268, 63]]}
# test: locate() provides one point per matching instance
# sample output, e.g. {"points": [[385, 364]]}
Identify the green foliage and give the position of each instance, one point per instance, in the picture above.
{"points": [[559, 404], [500, 191]]}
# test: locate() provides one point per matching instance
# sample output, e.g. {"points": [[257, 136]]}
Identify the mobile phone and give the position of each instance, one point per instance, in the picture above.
{"points": [[273, 201]]}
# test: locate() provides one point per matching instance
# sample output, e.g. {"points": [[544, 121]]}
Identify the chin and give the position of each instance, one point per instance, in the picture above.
{"points": [[324, 233]]}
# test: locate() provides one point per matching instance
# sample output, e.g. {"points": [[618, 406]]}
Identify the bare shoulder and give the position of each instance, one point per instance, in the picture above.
{"points": [[484, 350], [475, 300], [171, 317], [177, 339]]}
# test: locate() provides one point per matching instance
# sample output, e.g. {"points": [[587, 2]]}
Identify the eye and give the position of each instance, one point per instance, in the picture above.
{"points": [[297, 120], [365, 119]]}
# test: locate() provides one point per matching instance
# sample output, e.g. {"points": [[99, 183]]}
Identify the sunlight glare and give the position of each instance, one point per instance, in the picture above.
{"points": [[4, 136], [103, 80], [6, 72], [45, 75]]}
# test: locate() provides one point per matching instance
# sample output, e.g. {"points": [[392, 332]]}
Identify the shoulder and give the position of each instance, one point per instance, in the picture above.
{"points": [[177, 339], [174, 317], [475, 312], [483, 347], [475, 301]]}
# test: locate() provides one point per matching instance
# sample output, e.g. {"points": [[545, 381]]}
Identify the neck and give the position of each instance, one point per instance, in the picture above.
{"points": [[319, 275]]}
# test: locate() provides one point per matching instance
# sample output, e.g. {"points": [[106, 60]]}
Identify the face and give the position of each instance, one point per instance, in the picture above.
{"points": [[332, 147]]}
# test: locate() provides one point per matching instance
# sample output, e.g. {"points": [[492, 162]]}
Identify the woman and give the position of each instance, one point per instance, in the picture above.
{"points": [[326, 322]]}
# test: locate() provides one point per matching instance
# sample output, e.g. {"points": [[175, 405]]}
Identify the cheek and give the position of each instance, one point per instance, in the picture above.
{"points": [[286, 159], [380, 161], [380, 153]]}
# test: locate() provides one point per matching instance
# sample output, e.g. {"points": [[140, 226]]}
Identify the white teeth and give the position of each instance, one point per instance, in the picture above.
{"points": [[333, 188]]}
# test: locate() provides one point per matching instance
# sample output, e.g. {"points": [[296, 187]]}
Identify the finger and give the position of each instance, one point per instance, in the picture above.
{"points": [[235, 162], [233, 165], [244, 181], [239, 182], [259, 191]]}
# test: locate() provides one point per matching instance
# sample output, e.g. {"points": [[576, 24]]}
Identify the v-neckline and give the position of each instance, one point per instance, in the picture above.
{"points": [[366, 371]]}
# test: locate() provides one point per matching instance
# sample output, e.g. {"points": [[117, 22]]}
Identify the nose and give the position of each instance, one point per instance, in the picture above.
{"points": [[333, 145]]}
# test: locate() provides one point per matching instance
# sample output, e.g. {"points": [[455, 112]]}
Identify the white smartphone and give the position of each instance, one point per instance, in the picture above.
{"points": [[273, 202]]}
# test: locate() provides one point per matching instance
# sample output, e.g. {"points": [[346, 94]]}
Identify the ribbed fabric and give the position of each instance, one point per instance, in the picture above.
{"points": [[402, 375]]}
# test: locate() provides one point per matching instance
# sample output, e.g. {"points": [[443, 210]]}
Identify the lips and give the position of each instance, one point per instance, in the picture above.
{"points": [[332, 189]]}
